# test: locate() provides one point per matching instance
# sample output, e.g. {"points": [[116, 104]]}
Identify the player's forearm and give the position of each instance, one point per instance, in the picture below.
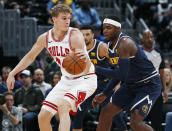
{"points": [[87, 69], [120, 73]]}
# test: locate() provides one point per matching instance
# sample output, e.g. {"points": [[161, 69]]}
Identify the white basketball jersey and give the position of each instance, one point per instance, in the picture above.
{"points": [[60, 49]]}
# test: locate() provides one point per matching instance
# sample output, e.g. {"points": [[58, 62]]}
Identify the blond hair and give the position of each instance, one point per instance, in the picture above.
{"points": [[60, 8], [169, 85]]}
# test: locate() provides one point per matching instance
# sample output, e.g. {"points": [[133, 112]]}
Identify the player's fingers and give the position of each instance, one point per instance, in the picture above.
{"points": [[80, 54], [10, 86]]}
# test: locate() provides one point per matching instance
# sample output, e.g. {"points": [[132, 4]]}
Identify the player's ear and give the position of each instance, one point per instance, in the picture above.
{"points": [[93, 35], [53, 19]]}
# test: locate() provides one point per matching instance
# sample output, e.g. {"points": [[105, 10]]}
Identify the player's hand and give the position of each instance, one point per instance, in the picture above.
{"points": [[165, 95], [10, 82], [82, 55], [98, 99]]}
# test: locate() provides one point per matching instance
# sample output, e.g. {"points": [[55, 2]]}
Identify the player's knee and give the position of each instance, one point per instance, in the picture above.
{"points": [[64, 106], [44, 116]]}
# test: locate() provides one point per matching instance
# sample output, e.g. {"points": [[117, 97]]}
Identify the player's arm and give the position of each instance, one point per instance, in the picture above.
{"points": [[78, 43], [126, 49], [103, 50], [27, 59], [108, 91]]}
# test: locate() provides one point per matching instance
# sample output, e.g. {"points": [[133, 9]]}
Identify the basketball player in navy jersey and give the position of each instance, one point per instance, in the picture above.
{"points": [[71, 90], [141, 82]]}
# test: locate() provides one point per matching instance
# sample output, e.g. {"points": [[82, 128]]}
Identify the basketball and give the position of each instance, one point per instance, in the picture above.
{"points": [[73, 64]]}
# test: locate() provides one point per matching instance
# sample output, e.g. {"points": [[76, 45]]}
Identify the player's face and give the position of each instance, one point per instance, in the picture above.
{"points": [[62, 21], [88, 36], [110, 32], [148, 39]]}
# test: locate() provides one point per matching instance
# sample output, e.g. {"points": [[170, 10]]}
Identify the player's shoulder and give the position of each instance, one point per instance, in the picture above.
{"points": [[102, 44], [127, 40], [127, 43], [75, 31], [42, 38]]}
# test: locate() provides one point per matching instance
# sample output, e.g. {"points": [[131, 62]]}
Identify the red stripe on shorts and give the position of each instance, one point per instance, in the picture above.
{"points": [[53, 106], [71, 96]]}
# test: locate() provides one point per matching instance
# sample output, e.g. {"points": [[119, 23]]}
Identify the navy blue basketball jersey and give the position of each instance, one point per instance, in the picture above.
{"points": [[140, 67], [94, 57]]}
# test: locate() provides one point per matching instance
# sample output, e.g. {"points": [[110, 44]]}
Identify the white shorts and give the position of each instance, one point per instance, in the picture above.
{"points": [[75, 91]]}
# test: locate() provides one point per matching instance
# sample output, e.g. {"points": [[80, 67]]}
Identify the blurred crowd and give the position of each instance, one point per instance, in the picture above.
{"points": [[158, 16], [156, 13], [33, 85]]}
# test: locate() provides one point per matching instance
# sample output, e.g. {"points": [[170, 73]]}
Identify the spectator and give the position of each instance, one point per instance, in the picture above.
{"points": [[0, 78], [168, 121], [29, 98], [55, 79], [86, 15], [12, 115], [162, 11], [98, 34], [39, 81], [5, 72], [167, 63], [164, 37], [50, 67], [168, 79], [51, 3]]}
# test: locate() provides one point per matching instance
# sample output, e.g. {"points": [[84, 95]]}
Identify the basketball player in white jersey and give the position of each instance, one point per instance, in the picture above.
{"points": [[72, 89]]}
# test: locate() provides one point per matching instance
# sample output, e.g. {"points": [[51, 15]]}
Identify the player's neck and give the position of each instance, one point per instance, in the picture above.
{"points": [[59, 35], [113, 44], [90, 45]]}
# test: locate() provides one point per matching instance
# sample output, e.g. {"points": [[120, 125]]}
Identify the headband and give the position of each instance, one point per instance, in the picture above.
{"points": [[112, 22]]}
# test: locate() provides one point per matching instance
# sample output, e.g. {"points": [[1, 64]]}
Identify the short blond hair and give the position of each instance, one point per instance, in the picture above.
{"points": [[60, 8]]}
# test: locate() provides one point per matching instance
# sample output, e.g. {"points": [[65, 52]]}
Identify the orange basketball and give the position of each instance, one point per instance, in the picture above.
{"points": [[73, 64]]}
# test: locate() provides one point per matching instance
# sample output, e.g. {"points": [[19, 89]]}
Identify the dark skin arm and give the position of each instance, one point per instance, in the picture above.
{"points": [[103, 50], [126, 49], [165, 94]]}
